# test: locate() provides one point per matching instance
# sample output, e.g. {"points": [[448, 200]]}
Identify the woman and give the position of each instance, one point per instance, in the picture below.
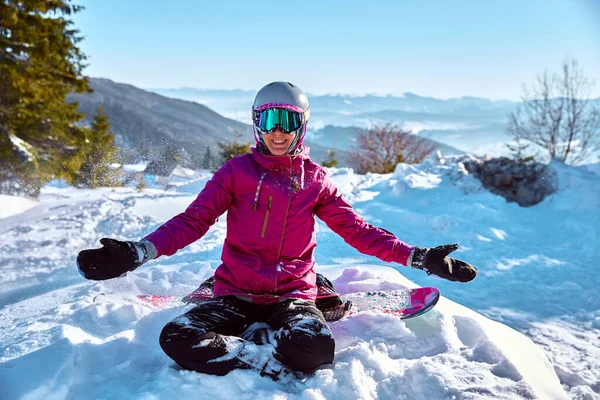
{"points": [[271, 197]]}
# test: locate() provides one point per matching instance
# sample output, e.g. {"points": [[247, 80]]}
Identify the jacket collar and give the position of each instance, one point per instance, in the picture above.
{"points": [[269, 161]]}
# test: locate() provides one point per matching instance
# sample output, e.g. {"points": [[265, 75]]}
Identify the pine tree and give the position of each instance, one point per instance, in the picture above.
{"points": [[99, 153], [40, 63], [209, 159], [165, 163], [519, 148], [232, 149], [331, 162], [517, 151]]}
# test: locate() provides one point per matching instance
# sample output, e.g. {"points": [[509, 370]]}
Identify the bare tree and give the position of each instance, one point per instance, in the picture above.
{"points": [[380, 148], [558, 115]]}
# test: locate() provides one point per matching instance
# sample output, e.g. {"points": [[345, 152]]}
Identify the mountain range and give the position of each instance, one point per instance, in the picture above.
{"points": [[466, 123], [148, 124]]}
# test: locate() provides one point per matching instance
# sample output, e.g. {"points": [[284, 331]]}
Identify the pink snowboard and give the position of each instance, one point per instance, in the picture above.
{"points": [[404, 303]]}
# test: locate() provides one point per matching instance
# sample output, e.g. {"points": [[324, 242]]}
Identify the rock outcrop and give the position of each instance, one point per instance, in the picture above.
{"points": [[526, 183]]}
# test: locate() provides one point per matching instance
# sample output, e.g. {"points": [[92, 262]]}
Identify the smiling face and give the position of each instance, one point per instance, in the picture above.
{"points": [[278, 142]]}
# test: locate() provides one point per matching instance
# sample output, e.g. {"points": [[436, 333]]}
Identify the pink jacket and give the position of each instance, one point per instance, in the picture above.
{"points": [[271, 204]]}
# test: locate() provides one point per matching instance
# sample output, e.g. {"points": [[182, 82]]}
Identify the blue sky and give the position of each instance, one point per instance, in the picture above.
{"points": [[433, 48]]}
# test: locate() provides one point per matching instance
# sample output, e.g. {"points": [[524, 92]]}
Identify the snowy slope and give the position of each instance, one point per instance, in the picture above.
{"points": [[64, 337]]}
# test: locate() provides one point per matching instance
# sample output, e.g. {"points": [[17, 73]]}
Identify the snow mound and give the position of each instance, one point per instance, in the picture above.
{"points": [[94, 340], [579, 188]]}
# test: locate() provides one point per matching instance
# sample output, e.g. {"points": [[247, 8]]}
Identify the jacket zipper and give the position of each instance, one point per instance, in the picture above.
{"points": [[283, 231], [264, 228]]}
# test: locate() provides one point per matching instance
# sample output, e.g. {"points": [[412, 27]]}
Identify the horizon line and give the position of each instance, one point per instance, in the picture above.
{"points": [[339, 94]]}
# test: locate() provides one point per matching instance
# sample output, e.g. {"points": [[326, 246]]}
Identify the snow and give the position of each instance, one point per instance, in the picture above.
{"points": [[593, 168], [12, 205], [22, 147], [526, 328], [135, 167]]}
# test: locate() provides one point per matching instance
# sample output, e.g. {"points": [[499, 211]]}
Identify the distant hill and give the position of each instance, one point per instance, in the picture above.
{"points": [[146, 123]]}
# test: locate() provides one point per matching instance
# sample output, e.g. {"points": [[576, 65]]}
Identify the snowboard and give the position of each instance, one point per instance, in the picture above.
{"points": [[403, 303]]}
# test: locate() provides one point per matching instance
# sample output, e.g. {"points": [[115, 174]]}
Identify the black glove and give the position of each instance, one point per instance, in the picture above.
{"points": [[436, 261], [112, 260]]}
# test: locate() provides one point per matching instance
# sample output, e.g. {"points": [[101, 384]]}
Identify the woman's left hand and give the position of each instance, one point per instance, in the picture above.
{"points": [[436, 261]]}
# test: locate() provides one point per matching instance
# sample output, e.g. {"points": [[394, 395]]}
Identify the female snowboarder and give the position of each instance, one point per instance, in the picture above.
{"points": [[271, 196]]}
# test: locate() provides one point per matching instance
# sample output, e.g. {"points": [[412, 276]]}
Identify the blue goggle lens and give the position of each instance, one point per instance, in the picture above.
{"points": [[268, 120]]}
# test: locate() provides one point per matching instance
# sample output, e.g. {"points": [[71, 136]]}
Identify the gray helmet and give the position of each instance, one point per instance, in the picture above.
{"points": [[282, 95]]}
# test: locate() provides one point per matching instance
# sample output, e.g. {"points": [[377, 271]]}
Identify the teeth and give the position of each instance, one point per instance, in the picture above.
{"points": [[279, 142]]}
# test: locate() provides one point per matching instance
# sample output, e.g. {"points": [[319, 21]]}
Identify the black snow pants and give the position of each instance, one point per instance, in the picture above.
{"points": [[213, 338]]}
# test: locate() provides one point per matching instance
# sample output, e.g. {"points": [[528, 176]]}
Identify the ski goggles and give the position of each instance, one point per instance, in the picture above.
{"points": [[267, 120]]}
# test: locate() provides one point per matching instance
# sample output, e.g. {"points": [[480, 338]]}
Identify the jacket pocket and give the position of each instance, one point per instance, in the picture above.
{"points": [[264, 228], [293, 270], [237, 259]]}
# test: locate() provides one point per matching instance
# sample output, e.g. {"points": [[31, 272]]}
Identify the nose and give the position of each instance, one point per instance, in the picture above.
{"points": [[277, 131]]}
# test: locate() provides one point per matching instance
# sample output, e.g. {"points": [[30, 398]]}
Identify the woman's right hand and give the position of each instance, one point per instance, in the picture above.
{"points": [[112, 260]]}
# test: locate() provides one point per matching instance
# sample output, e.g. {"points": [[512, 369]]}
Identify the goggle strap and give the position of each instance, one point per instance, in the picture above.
{"points": [[280, 105], [305, 113]]}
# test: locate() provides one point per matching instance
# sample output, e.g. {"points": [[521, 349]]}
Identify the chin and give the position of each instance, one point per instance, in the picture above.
{"points": [[279, 152]]}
